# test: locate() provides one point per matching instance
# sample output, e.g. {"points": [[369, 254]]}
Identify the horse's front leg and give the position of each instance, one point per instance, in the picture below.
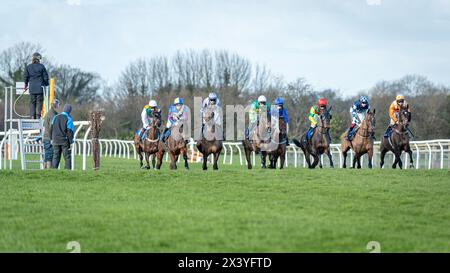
{"points": [[370, 156], [411, 160], [330, 157], [185, 157], [205, 161], [141, 158], [216, 159], [173, 161], [147, 155], [263, 159], [160, 160], [282, 160], [153, 161], [397, 159], [247, 155], [382, 155], [355, 159]]}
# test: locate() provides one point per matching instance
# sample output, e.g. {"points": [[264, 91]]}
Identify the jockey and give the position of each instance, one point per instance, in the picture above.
{"points": [[254, 112], [396, 105], [282, 113], [358, 112], [177, 112], [314, 113], [211, 100], [150, 111]]}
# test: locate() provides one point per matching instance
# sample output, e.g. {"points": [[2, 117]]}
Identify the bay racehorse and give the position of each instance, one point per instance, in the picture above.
{"points": [[211, 141], [362, 141], [150, 145], [319, 142], [176, 145], [398, 141], [259, 141], [280, 149]]}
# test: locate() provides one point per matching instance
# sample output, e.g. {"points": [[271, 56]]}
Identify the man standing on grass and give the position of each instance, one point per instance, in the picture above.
{"points": [[62, 136], [48, 149]]}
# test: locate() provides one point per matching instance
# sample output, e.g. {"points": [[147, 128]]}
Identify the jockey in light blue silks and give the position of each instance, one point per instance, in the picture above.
{"points": [[358, 113], [212, 101], [177, 113], [150, 111], [281, 113]]}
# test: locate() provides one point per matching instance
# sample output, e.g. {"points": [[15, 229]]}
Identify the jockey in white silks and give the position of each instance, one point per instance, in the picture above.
{"points": [[212, 101], [358, 113], [150, 111]]}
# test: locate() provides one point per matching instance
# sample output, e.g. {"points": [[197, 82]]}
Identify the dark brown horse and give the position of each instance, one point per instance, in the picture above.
{"points": [[259, 143], [280, 151], [176, 145], [210, 144], [398, 141], [319, 142], [361, 143], [150, 145]]}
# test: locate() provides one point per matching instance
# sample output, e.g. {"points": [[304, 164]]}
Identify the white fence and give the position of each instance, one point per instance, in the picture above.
{"points": [[427, 154]]}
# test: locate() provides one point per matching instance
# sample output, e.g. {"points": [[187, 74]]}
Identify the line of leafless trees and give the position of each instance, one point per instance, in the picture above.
{"points": [[192, 73]]}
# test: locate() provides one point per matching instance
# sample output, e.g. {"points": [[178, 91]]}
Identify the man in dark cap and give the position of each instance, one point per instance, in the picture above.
{"points": [[48, 149], [35, 78], [62, 135]]}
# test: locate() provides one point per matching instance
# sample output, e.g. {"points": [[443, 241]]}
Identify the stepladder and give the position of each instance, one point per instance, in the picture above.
{"points": [[31, 148]]}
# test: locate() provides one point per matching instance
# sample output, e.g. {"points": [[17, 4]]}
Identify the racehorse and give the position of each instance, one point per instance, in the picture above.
{"points": [[280, 151], [319, 142], [398, 141], [362, 142], [150, 145], [259, 142], [209, 144], [176, 146]]}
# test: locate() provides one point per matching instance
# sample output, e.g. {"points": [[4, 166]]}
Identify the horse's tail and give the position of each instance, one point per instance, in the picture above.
{"points": [[298, 143], [343, 136]]}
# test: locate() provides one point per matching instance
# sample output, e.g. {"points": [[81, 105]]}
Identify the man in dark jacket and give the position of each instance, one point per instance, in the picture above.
{"points": [[35, 77], [48, 149], [62, 135]]}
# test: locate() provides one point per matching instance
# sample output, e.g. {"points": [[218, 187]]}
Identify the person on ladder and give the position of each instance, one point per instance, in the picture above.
{"points": [[35, 78]]}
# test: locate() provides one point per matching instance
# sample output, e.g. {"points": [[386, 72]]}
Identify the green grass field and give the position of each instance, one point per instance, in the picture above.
{"points": [[124, 209]]}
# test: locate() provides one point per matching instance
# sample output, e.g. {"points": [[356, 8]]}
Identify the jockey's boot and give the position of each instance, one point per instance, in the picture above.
{"points": [[164, 135], [308, 134], [141, 133], [350, 134], [388, 131]]}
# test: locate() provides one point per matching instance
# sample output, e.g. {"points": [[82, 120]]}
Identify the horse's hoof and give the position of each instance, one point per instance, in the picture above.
{"points": [[249, 167]]}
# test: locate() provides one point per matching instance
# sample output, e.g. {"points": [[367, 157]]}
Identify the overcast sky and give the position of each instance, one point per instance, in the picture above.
{"points": [[344, 44]]}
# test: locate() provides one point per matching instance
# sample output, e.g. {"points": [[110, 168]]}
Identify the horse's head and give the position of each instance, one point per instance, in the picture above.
{"points": [[404, 117], [369, 122], [325, 118], [208, 114], [282, 126]]}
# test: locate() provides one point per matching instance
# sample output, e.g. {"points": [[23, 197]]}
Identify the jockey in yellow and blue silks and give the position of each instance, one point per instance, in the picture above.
{"points": [[150, 111], [282, 113], [358, 113], [254, 112], [177, 113], [314, 113]]}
